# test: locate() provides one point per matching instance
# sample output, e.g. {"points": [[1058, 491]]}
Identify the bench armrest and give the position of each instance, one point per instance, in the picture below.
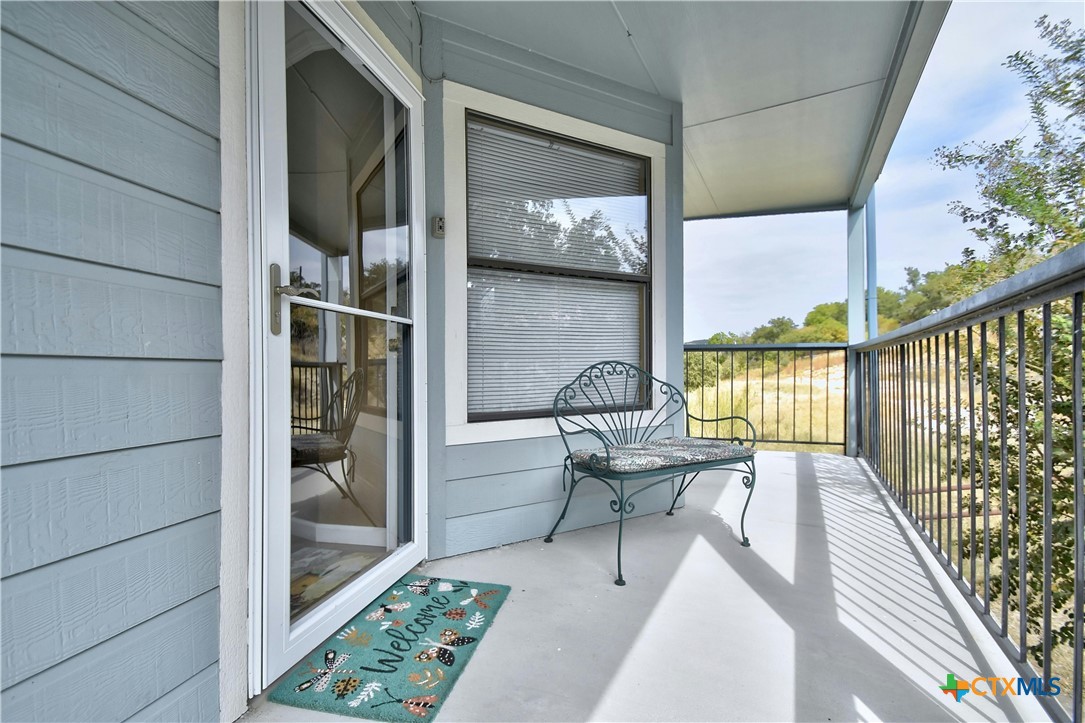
{"points": [[752, 433], [565, 432]]}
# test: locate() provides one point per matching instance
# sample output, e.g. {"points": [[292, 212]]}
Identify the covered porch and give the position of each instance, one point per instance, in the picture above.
{"points": [[838, 611]]}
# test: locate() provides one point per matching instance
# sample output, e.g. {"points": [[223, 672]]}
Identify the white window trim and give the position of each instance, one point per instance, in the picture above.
{"points": [[458, 99]]}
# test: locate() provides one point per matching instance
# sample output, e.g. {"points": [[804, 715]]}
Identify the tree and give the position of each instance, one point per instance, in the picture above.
{"points": [[830, 311], [771, 332], [1033, 197]]}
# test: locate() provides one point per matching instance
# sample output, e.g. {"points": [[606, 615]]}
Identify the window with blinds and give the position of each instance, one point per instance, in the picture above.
{"points": [[558, 265]]}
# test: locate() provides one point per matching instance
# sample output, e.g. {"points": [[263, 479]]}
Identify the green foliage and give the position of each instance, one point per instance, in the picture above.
{"points": [[728, 338], [821, 331], [1033, 207], [889, 304], [1033, 193], [831, 311], [773, 331], [304, 324]]}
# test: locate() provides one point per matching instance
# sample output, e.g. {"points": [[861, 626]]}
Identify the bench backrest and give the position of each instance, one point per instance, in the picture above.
{"points": [[613, 402]]}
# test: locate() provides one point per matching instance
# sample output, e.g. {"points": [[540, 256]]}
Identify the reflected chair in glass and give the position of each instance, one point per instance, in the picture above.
{"points": [[325, 438]]}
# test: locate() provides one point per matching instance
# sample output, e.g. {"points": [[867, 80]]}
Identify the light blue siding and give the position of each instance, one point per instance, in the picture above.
{"points": [[399, 23], [63, 110], [55, 407], [83, 503], [488, 64], [118, 47], [60, 307], [193, 23], [591, 506], [110, 384], [66, 209], [194, 700], [509, 491], [53, 612], [125, 674]]}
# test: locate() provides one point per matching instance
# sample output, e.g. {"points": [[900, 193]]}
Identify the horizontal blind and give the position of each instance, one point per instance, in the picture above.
{"points": [[554, 203], [528, 334]]}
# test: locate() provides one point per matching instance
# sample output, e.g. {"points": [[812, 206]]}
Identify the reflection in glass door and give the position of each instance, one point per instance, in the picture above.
{"points": [[349, 250], [341, 499]]}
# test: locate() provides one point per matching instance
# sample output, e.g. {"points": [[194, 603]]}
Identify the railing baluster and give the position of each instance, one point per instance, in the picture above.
{"points": [[827, 395], [986, 472], [810, 416], [704, 391], [1022, 489], [746, 391], [1004, 499], [1079, 506], [971, 461], [917, 434], [918, 474], [732, 410], [960, 466], [924, 380], [1048, 472], [716, 393], [762, 385], [949, 463], [937, 421], [904, 428], [778, 436]]}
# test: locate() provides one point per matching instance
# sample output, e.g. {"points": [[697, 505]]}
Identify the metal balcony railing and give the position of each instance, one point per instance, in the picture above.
{"points": [[794, 394], [314, 382], [972, 418]]}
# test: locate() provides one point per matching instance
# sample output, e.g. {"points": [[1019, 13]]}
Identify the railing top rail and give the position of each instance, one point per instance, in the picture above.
{"points": [[810, 346], [305, 364], [1050, 279]]}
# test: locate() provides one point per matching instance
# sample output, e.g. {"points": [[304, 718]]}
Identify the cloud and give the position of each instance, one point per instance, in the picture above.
{"points": [[761, 268]]}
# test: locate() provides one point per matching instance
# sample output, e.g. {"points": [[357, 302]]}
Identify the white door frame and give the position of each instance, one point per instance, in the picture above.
{"points": [[274, 646]]}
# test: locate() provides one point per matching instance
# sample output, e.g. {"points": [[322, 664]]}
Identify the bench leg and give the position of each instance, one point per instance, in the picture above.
{"points": [[621, 520], [681, 490], [748, 481], [568, 498]]}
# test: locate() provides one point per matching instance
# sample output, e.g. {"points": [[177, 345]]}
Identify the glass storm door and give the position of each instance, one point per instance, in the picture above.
{"points": [[342, 498]]}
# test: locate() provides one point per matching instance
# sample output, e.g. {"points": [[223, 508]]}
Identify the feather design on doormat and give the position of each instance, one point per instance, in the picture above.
{"points": [[420, 705]]}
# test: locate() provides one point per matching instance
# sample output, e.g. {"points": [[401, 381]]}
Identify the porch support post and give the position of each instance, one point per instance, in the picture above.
{"points": [[856, 318], [870, 383], [871, 267]]}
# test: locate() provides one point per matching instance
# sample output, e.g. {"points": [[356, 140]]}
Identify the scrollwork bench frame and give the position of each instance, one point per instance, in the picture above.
{"points": [[615, 403]]}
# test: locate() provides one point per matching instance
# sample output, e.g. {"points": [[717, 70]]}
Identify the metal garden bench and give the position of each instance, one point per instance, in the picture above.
{"points": [[324, 438], [612, 402]]}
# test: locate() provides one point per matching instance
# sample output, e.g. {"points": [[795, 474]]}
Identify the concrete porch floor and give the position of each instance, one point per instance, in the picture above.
{"points": [[837, 612]]}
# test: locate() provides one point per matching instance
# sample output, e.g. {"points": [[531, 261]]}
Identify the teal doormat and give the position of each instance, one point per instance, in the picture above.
{"points": [[397, 659]]}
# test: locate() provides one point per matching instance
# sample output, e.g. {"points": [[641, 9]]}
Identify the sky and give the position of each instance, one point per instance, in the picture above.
{"points": [[790, 263]]}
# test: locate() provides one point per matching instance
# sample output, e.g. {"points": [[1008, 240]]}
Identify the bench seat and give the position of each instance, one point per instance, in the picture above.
{"points": [[659, 454]]}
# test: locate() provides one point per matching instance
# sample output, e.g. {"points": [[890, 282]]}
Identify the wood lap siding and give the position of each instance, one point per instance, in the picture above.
{"points": [[110, 386], [508, 491]]}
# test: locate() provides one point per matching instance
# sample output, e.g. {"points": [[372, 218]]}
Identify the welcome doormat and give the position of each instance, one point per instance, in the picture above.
{"points": [[397, 659]]}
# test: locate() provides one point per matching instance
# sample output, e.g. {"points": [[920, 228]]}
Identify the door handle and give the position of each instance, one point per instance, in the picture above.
{"points": [[278, 291]]}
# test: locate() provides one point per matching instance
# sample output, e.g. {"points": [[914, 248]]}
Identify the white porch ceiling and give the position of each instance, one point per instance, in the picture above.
{"points": [[786, 105]]}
